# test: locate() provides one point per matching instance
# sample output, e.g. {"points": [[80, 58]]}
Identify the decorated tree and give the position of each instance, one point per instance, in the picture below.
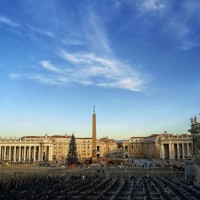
{"points": [[72, 154]]}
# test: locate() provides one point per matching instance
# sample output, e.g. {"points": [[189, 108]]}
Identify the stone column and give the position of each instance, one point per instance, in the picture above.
{"points": [[20, 153], [50, 153], [171, 151], [34, 151], [4, 156], [17, 153], [14, 154], [188, 149], [9, 155], [183, 150], [161, 150], [46, 153], [178, 154], [24, 153], [29, 153], [41, 152]]}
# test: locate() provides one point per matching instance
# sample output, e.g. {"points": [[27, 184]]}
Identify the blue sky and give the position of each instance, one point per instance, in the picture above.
{"points": [[137, 61]]}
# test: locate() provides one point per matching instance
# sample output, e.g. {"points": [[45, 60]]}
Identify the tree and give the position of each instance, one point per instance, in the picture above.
{"points": [[72, 154]]}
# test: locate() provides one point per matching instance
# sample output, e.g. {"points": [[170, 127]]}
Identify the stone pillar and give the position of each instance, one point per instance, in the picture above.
{"points": [[29, 153], [14, 154], [41, 152], [50, 153], [24, 153], [20, 153], [161, 150], [9, 155], [37, 153], [94, 147], [4, 156], [34, 153], [183, 150], [171, 151], [47, 153], [178, 153], [17, 153]]}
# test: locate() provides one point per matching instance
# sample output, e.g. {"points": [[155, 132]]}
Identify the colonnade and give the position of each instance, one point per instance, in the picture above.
{"points": [[175, 150], [23, 153]]}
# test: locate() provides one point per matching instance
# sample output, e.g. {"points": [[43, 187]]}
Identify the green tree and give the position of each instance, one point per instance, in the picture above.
{"points": [[72, 153]]}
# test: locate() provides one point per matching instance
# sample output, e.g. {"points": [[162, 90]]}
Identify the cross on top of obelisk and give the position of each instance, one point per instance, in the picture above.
{"points": [[94, 109]]}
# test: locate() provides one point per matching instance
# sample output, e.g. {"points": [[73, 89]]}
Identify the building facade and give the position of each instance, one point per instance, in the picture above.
{"points": [[56, 147], [195, 132], [164, 146], [51, 148], [26, 149], [141, 147]]}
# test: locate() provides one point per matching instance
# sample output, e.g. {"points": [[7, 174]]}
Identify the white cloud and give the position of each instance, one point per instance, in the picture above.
{"points": [[73, 41], [23, 28], [88, 69], [181, 26], [153, 4], [178, 24], [14, 76], [9, 22], [46, 79], [95, 32], [74, 58], [42, 32], [48, 66]]}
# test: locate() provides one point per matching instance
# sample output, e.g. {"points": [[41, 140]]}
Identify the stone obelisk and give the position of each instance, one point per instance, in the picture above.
{"points": [[94, 137]]}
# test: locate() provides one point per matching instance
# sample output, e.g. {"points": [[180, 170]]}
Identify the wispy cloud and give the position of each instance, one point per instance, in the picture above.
{"points": [[14, 76], [42, 32], [179, 25], [95, 65], [49, 67], [142, 5], [153, 4], [9, 22], [182, 26], [95, 32], [88, 69], [24, 28]]}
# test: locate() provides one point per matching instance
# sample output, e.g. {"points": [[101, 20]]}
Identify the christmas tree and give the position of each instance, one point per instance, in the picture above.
{"points": [[72, 154]]}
